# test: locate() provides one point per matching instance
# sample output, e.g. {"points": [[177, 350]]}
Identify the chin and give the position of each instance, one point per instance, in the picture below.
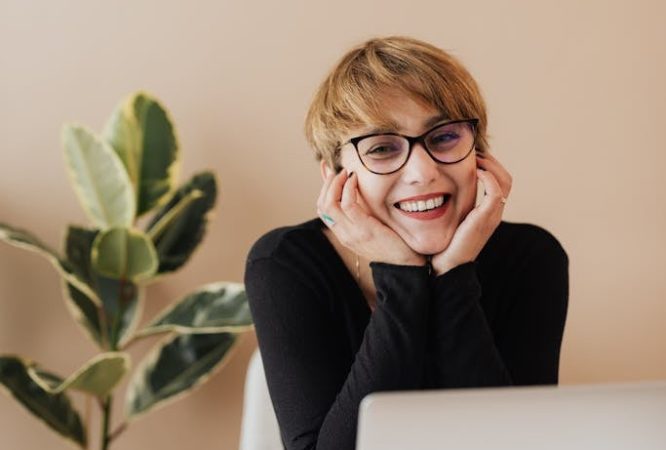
{"points": [[430, 245]]}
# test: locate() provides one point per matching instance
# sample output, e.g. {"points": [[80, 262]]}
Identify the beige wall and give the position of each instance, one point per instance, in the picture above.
{"points": [[576, 97]]}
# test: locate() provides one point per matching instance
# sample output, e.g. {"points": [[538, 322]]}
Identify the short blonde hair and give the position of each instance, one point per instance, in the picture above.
{"points": [[350, 96]]}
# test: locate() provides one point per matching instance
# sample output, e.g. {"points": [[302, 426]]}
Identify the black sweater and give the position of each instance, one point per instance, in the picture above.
{"points": [[497, 321]]}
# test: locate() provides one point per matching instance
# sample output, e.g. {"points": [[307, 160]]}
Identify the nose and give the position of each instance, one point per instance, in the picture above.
{"points": [[420, 168]]}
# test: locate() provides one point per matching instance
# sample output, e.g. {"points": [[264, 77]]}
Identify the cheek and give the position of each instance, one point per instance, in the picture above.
{"points": [[469, 185], [349, 160], [373, 193], [471, 181]]}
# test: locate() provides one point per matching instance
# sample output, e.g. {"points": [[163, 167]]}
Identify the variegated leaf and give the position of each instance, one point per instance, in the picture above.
{"points": [[55, 410], [176, 367], [142, 134], [123, 253], [215, 308], [26, 240], [97, 377], [176, 236], [99, 178]]}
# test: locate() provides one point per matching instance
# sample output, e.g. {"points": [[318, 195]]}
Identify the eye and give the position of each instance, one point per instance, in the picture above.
{"points": [[381, 147], [444, 137], [382, 150], [447, 137]]}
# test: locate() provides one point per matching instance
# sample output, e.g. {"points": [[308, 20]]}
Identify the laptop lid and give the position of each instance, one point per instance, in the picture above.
{"points": [[619, 416]]}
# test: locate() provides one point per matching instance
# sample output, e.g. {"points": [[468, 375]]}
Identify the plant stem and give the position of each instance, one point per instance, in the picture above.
{"points": [[104, 328], [87, 416], [115, 433], [106, 422], [138, 336]]}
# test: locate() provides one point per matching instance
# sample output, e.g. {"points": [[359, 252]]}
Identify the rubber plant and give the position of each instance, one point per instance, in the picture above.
{"points": [[125, 176]]}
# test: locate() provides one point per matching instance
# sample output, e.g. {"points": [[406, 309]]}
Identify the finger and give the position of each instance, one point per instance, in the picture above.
{"points": [[488, 161], [490, 183], [496, 168], [487, 155], [349, 192], [352, 203], [358, 211], [327, 211], [494, 195], [357, 221], [331, 208], [328, 220], [324, 190], [334, 193]]}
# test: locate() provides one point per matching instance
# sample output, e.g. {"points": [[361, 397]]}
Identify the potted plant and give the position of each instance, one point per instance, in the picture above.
{"points": [[123, 178]]}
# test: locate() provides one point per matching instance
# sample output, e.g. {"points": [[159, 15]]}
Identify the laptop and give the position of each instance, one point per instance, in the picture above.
{"points": [[585, 417]]}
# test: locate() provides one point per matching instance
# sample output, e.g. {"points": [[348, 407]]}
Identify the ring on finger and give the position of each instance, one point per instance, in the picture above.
{"points": [[328, 220]]}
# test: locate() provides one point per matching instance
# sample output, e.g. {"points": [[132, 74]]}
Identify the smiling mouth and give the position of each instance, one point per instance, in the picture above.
{"points": [[423, 205]]}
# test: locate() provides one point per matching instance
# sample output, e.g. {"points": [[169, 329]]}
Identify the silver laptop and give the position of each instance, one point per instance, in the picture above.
{"points": [[587, 417]]}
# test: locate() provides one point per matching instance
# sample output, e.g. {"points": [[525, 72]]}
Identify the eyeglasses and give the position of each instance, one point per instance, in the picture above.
{"points": [[446, 143]]}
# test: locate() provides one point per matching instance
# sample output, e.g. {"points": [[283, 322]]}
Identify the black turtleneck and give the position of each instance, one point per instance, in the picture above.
{"points": [[497, 321]]}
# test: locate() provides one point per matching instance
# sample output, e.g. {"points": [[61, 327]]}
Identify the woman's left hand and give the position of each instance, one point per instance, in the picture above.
{"points": [[475, 230]]}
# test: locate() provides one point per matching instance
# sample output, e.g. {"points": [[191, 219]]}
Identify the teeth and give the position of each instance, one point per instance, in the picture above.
{"points": [[422, 205]]}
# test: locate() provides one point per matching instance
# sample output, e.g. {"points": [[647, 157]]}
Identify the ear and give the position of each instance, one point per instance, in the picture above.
{"points": [[325, 169]]}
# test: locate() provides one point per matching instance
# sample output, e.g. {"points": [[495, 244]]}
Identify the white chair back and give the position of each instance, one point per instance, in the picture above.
{"points": [[259, 429]]}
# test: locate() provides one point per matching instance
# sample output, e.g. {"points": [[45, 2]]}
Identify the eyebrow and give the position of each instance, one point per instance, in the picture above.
{"points": [[435, 120], [393, 127]]}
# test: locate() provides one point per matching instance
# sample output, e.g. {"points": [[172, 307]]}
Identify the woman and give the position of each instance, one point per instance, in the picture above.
{"points": [[402, 282]]}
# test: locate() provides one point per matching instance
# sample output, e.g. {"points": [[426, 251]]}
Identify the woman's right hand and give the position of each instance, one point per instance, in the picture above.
{"points": [[356, 228]]}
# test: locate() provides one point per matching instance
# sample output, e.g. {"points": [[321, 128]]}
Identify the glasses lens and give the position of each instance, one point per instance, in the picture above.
{"points": [[384, 153], [451, 142]]}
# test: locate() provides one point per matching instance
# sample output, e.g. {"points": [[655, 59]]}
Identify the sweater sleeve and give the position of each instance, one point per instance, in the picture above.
{"points": [[461, 348], [530, 335], [525, 346], [317, 405]]}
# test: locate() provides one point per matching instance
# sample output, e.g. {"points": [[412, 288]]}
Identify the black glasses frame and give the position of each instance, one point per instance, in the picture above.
{"points": [[412, 140]]}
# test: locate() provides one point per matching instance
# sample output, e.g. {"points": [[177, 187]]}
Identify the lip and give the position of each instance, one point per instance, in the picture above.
{"points": [[422, 197], [426, 215]]}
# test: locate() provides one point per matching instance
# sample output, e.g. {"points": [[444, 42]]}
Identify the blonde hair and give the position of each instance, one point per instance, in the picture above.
{"points": [[350, 96]]}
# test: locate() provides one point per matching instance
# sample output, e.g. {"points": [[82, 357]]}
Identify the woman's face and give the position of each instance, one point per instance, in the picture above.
{"points": [[421, 178]]}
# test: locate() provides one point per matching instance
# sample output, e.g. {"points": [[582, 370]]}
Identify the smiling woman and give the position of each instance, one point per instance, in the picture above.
{"points": [[406, 282]]}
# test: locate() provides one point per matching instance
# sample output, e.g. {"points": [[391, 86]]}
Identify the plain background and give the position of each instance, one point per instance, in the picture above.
{"points": [[576, 99]]}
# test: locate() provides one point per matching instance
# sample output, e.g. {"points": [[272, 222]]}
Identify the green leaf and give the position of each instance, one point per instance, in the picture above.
{"points": [[99, 178], [78, 249], [97, 377], [176, 236], [85, 313], [142, 134], [215, 308], [123, 133], [175, 368], [123, 302], [55, 410], [174, 213], [124, 254], [25, 240], [120, 299]]}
